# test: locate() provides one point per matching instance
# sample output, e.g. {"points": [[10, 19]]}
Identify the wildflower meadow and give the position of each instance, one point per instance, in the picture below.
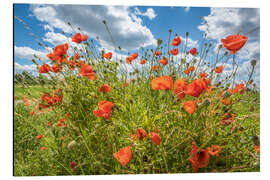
{"points": [[167, 109]]}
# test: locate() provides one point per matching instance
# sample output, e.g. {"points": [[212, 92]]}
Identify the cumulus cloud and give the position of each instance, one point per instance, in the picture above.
{"points": [[126, 28], [150, 13], [28, 53], [222, 22], [187, 9], [191, 43], [20, 67]]}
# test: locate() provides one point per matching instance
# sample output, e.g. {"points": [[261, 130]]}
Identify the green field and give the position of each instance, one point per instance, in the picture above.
{"points": [[97, 139]]}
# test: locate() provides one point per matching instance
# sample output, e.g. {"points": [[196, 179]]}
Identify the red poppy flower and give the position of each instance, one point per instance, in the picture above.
{"points": [[77, 56], [108, 55], [47, 98], [140, 133], [143, 61], [162, 83], [227, 119], [59, 54], [199, 158], [56, 68], [124, 85], [219, 69], [156, 68], [80, 63], [174, 51], [71, 64], [73, 164], [57, 96], [105, 109], [157, 53], [203, 75], [25, 99], [134, 55], [193, 51], [239, 88], [78, 38], [45, 68], [60, 50], [84, 37], [234, 43], [86, 70], [257, 149], [226, 101], [155, 138], [189, 70], [179, 88], [214, 150], [105, 88], [32, 113], [190, 106], [131, 58], [105, 106], [176, 41], [39, 136], [209, 89], [43, 148], [196, 87], [164, 61], [123, 155], [49, 124]]}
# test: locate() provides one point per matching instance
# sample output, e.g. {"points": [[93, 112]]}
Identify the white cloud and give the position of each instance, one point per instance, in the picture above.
{"points": [[191, 43], [28, 53], [222, 22], [125, 27], [54, 38], [48, 27], [187, 9], [31, 67], [150, 13]]}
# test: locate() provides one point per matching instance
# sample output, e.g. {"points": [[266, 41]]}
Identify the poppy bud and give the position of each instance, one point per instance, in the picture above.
{"points": [[253, 62], [194, 61], [226, 95], [34, 61], [210, 45], [220, 46], [170, 30], [183, 61], [104, 22], [186, 33], [225, 53], [159, 41]]}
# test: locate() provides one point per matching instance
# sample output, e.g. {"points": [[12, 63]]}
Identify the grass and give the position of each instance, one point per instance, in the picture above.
{"points": [[97, 139], [87, 132]]}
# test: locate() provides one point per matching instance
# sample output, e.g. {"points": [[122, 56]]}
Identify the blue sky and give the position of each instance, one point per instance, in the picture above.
{"points": [[132, 27]]}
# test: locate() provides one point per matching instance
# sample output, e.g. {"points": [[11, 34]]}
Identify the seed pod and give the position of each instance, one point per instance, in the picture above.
{"points": [[71, 144], [253, 62], [159, 41]]}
